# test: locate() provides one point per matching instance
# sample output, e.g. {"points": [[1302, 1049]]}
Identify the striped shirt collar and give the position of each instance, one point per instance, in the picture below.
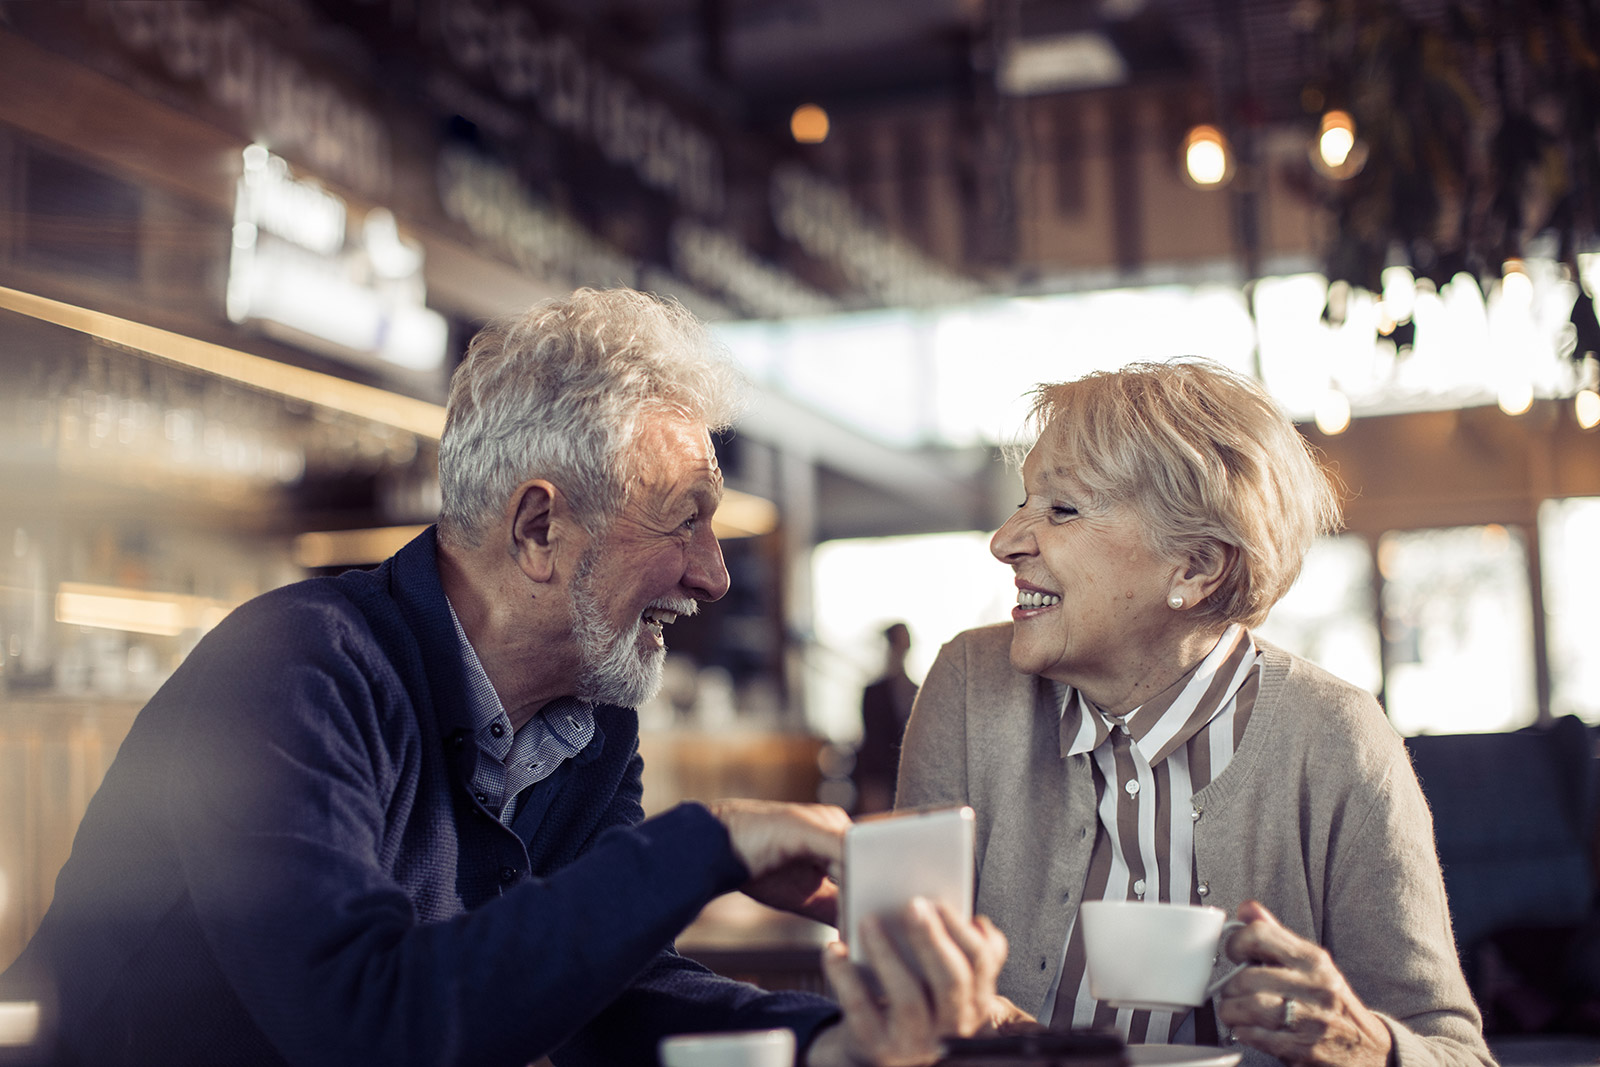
{"points": [[1170, 718]]}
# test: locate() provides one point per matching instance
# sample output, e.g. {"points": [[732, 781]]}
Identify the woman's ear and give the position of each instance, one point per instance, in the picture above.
{"points": [[1204, 572]]}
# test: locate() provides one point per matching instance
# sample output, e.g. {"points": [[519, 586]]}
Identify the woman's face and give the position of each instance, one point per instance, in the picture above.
{"points": [[1091, 596]]}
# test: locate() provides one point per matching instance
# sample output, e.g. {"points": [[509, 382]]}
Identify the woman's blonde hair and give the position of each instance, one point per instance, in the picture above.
{"points": [[1206, 459]]}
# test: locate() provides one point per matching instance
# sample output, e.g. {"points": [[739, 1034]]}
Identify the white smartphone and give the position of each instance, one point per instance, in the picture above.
{"points": [[892, 858]]}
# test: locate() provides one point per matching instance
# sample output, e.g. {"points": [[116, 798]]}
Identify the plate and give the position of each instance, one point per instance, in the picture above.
{"points": [[1181, 1056]]}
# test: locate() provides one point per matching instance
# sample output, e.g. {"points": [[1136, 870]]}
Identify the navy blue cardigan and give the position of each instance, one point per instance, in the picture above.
{"points": [[286, 864]]}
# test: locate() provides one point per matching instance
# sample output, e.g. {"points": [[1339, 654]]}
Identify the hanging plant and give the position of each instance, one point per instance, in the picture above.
{"points": [[1481, 131]]}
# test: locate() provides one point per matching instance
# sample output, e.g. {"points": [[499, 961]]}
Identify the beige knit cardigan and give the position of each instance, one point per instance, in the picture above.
{"points": [[1318, 816]]}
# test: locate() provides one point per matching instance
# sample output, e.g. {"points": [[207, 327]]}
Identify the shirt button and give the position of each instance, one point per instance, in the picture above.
{"points": [[1138, 887], [1132, 787], [483, 798], [497, 730], [508, 874], [1204, 889]]}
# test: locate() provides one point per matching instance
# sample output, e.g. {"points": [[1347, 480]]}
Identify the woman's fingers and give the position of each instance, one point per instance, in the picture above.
{"points": [[945, 967], [981, 941], [860, 1007], [1298, 1007]]}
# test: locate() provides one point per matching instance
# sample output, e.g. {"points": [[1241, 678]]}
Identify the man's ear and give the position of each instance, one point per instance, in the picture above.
{"points": [[539, 524]]}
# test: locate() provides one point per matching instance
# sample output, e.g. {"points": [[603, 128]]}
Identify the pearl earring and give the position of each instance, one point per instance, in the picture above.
{"points": [[1175, 602]]}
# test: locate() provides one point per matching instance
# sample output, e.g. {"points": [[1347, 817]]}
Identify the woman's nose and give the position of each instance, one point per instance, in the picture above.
{"points": [[1012, 541]]}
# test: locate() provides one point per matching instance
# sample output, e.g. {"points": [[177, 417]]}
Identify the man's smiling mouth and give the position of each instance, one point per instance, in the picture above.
{"points": [[658, 616]]}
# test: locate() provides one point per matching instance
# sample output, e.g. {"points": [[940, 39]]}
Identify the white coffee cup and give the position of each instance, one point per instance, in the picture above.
{"points": [[1152, 955], [742, 1048]]}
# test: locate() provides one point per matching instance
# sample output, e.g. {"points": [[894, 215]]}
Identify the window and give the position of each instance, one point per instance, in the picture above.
{"points": [[1457, 630], [1327, 616], [1569, 531]]}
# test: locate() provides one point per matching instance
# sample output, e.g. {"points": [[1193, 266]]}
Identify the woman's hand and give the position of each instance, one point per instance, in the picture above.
{"points": [[1296, 1004], [945, 990]]}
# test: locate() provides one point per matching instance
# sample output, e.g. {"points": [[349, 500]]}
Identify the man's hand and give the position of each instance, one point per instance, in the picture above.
{"points": [[1297, 1005], [946, 990], [790, 849]]}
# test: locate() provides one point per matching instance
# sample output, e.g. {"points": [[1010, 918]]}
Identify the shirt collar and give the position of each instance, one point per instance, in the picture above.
{"points": [[486, 712], [1169, 719]]}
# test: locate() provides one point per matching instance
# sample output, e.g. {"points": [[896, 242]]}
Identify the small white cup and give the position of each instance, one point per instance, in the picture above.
{"points": [[742, 1048], [1152, 955]]}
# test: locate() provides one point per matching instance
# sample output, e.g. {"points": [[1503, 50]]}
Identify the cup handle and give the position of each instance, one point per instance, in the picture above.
{"points": [[1222, 942]]}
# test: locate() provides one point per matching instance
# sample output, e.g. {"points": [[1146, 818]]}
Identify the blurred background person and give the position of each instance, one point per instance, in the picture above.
{"points": [[885, 707]]}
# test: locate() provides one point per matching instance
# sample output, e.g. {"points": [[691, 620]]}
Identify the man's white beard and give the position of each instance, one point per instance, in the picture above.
{"points": [[612, 669]]}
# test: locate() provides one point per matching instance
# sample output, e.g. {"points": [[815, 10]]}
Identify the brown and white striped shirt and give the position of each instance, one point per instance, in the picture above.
{"points": [[1148, 764]]}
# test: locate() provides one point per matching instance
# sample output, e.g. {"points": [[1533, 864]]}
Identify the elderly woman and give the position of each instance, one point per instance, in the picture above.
{"points": [[1125, 737]]}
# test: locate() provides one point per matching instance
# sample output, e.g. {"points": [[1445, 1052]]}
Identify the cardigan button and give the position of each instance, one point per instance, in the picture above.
{"points": [[508, 875], [1204, 889]]}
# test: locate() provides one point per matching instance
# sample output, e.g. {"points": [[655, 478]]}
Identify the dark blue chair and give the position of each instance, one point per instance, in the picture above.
{"points": [[1515, 822], [1513, 816]]}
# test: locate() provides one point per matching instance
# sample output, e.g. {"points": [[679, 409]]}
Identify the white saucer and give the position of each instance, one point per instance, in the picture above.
{"points": [[1181, 1056]]}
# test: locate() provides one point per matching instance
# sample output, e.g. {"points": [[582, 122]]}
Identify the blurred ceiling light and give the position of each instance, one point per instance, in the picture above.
{"points": [[136, 610], [19, 1023], [1515, 396], [1336, 138], [350, 548], [1338, 153], [1587, 407], [1333, 413], [809, 124], [1206, 160], [324, 390], [1055, 64], [1516, 288], [744, 515], [1399, 294]]}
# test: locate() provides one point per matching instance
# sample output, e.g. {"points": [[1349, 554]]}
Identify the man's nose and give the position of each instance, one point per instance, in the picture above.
{"points": [[707, 574]]}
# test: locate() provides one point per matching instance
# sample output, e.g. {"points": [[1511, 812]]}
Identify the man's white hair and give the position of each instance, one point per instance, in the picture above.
{"points": [[558, 392]]}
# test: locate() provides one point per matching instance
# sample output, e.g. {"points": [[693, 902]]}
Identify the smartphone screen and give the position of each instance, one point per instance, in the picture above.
{"points": [[890, 859]]}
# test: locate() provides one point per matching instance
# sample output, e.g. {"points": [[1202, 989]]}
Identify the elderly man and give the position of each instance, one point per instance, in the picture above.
{"points": [[394, 816]]}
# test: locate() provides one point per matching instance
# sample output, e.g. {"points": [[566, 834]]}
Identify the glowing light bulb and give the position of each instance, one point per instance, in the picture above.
{"points": [[1587, 406], [809, 124], [1515, 397], [1335, 146], [1515, 285], [1206, 157], [1333, 413], [1337, 153]]}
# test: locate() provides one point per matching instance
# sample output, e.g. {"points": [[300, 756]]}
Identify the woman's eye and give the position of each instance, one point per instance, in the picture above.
{"points": [[1063, 511]]}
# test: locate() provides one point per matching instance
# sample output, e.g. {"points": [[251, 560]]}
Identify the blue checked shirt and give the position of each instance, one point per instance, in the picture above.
{"points": [[511, 762]]}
